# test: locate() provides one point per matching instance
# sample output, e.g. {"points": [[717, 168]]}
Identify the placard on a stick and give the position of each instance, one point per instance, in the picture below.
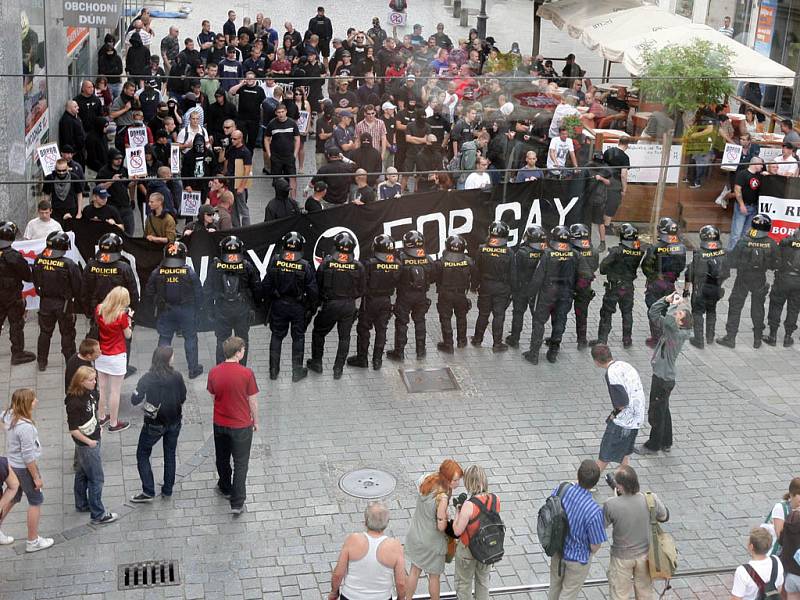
{"points": [[190, 204]]}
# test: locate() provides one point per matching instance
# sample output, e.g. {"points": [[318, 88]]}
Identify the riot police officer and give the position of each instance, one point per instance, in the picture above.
{"points": [[663, 263], [704, 278], [102, 274], [290, 292], [554, 281], [233, 287], [417, 273], [57, 280], [580, 236], [14, 270], [785, 290], [341, 279], [456, 274], [178, 296], [383, 274], [494, 285], [620, 267], [526, 259], [752, 257]]}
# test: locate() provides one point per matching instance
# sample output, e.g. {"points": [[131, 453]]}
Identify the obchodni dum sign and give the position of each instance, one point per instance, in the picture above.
{"points": [[89, 13]]}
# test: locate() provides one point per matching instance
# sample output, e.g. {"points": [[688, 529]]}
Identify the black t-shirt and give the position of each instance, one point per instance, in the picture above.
{"points": [[250, 99], [233, 154], [117, 191], [419, 130], [82, 415], [91, 213], [750, 184], [366, 194], [391, 129], [339, 185], [439, 126], [312, 205], [463, 132], [73, 364], [63, 193], [616, 157], [346, 100], [282, 135], [323, 126]]}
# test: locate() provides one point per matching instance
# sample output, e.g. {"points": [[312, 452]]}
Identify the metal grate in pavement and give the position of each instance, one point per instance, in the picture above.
{"points": [[367, 483], [429, 380], [158, 573]]}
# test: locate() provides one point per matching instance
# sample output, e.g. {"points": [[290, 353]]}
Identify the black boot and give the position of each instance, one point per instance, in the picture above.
{"points": [[273, 373], [697, 342], [443, 347], [787, 341], [315, 364], [531, 356], [377, 363], [756, 339], [582, 344], [476, 341], [23, 357], [512, 341], [499, 347], [357, 361], [395, 355], [772, 338], [552, 352], [337, 371], [728, 341], [299, 373]]}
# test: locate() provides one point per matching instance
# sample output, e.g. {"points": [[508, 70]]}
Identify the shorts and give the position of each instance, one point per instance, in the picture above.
{"points": [[791, 583], [34, 496], [112, 365], [617, 443], [279, 165], [597, 212], [412, 156], [325, 48], [613, 198]]}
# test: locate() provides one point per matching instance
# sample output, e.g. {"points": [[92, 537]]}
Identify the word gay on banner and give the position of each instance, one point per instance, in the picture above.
{"points": [[779, 197], [30, 249], [48, 155], [190, 204]]}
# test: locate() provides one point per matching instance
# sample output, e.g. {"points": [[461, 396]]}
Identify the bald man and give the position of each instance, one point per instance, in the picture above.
{"points": [[72, 133]]}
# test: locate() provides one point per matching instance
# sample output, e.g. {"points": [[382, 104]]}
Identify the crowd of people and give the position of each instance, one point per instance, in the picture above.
{"points": [[385, 116]]}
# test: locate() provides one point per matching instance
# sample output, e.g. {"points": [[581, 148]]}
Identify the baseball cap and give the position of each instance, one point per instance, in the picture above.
{"points": [[388, 106], [346, 113], [391, 171], [100, 191], [412, 77]]}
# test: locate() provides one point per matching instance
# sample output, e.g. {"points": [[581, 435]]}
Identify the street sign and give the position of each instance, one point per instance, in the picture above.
{"points": [[397, 19], [89, 13]]}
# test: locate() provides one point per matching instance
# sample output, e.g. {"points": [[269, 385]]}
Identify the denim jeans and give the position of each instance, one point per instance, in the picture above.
{"points": [[235, 443], [148, 438], [241, 212], [183, 317], [740, 223], [89, 480]]}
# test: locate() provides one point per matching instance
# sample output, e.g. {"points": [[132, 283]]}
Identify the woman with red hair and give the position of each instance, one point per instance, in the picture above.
{"points": [[426, 543]]}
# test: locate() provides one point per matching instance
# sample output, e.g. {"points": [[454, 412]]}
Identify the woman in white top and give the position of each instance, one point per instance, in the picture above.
{"points": [[193, 127]]}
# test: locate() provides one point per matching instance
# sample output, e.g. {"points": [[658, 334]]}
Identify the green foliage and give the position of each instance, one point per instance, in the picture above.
{"points": [[694, 75], [572, 123]]}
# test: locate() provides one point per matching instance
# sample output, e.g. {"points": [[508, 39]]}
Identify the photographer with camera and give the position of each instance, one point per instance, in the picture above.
{"points": [[465, 526], [629, 514]]}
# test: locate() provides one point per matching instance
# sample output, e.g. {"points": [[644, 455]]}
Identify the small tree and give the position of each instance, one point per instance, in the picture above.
{"points": [[683, 78]]}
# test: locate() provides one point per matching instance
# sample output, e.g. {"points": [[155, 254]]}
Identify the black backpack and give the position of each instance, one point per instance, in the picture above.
{"points": [[552, 525], [486, 545], [766, 590]]}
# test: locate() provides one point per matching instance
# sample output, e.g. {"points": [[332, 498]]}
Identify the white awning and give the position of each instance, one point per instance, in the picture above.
{"points": [[573, 13]]}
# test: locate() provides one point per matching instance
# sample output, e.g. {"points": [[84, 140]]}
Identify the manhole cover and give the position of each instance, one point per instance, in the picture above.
{"points": [[367, 483], [429, 380]]}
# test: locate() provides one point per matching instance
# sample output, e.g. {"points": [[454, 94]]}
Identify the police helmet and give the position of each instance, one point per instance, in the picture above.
{"points": [[293, 241], [174, 255], [383, 243], [667, 229], [456, 243], [796, 235], [534, 235], [109, 248], [231, 249], [498, 229], [709, 237], [628, 236], [761, 226], [344, 242], [413, 239], [58, 244], [580, 235], [559, 233], [8, 233]]}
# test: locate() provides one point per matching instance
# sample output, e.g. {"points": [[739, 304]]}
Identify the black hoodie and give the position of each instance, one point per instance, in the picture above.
{"points": [[281, 205], [109, 65], [137, 60]]}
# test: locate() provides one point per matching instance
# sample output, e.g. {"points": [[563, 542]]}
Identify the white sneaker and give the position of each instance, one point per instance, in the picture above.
{"points": [[5, 540], [721, 202], [39, 543]]}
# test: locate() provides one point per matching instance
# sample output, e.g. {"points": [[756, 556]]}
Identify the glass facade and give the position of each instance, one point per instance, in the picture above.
{"points": [[37, 126]]}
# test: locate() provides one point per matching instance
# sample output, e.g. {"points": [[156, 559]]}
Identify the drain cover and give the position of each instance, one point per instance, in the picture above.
{"points": [[148, 574], [367, 483], [429, 380]]}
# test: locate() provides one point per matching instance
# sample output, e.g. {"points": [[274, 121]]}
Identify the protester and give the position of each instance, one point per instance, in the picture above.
{"points": [[114, 321], [790, 546], [160, 226], [162, 393], [23, 451], [43, 225]]}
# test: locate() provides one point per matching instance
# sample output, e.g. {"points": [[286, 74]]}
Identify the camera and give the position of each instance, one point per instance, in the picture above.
{"points": [[611, 482], [459, 500]]}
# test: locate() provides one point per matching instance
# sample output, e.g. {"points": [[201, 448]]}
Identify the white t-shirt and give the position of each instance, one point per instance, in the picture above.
{"points": [[562, 148], [561, 111], [624, 378], [743, 585], [38, 229], [477, 180], [787, 170]]}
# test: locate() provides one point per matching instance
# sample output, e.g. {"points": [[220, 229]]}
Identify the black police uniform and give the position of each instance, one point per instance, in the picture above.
{"points": [[417, 273], [14, 270], [526, 258], [663, 263], [620, 267], [233, 287], [753, 256], [706, 274], [582, 243], [457, 273], [785, 290], [494, 261], [341, 279], [102, 274], [383, 274], [290, 291], [555, 279], [57, 280], [178, 296]]}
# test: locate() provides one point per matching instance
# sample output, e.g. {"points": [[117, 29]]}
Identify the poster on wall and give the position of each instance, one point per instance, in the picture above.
{"points": [[34, 84], [649, 157]]}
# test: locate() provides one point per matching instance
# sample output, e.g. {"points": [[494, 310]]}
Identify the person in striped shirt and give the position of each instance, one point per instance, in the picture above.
{"points": [[568, 570]]}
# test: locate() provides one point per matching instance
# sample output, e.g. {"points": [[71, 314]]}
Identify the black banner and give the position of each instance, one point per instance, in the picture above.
{"points": [[436, 214]]}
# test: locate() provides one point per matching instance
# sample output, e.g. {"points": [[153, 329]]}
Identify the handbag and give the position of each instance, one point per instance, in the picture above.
{"points": [[662, 554]]}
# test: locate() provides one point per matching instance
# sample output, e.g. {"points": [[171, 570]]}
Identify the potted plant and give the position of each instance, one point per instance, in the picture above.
{"points": [[573, 124]]}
